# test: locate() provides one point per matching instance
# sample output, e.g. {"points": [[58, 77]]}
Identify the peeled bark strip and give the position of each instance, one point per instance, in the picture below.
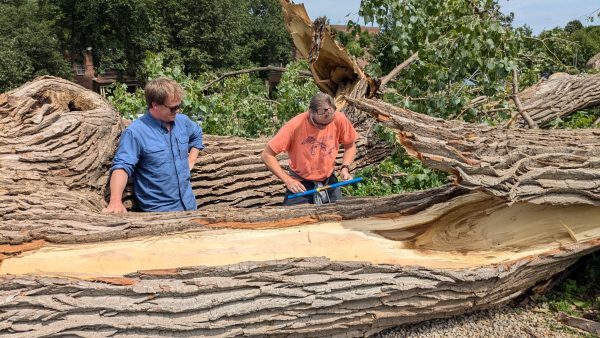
{"points": [[559, 97], [537, 166]]}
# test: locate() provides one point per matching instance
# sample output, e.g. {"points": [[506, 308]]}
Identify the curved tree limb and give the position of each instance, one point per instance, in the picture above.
{"points": [[537, 166]]}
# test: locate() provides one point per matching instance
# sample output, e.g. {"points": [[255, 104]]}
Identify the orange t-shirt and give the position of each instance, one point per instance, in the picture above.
{"points": [[312, 151]]}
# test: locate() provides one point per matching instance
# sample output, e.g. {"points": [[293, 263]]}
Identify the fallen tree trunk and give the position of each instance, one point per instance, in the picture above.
{"points": [[559, 97], [301, 297], [537, 166], [351, 268], [394, 260]]}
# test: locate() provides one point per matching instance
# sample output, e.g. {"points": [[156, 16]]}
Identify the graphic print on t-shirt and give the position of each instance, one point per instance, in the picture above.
{"points": [[320, 143]]}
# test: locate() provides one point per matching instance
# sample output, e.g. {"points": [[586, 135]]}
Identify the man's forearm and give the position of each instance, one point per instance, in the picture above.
{"points": [[349, 154], [193, 156], [275, 168], [118, 181]]}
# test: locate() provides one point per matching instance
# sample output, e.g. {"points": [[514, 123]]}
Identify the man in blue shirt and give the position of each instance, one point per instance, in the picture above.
{"points": [[158, 150]]}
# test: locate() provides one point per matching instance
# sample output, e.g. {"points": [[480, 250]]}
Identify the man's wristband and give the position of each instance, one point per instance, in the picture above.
{"points": [[347, 166]]}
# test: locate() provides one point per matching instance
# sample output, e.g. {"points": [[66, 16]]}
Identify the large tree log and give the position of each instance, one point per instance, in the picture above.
{"points": [[559, 97], [537, 166], [410, 262]]}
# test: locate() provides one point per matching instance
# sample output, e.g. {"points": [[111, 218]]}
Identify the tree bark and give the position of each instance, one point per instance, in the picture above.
{"points": [[559, 97], [537, 166], [299, 297]]}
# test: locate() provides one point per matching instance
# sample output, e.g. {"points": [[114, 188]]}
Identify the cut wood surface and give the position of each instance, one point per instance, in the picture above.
{"points": [[537, 166]]}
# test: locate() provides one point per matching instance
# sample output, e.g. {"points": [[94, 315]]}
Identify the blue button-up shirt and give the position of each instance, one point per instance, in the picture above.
{"points": [[157, 160]]}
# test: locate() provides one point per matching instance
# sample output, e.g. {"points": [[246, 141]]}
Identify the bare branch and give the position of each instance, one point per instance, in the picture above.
{"points": [[520, 110], [251, 70], [396, 71]]}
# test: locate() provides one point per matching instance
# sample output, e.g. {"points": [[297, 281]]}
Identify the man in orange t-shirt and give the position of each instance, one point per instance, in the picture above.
{"points": [[312, 140]]}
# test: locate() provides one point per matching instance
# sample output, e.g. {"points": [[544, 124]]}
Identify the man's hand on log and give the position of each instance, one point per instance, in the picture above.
{"points": [[294, 185], [115, 208]]}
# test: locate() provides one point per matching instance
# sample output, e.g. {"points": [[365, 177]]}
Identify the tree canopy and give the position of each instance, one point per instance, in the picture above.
{"points": [[29, 46]]}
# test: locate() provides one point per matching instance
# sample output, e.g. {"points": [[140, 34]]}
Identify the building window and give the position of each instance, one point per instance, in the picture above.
{"points": [[79, 69]]}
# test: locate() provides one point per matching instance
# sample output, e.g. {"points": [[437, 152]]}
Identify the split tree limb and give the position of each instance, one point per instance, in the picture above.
{"points": [[538, 166]]}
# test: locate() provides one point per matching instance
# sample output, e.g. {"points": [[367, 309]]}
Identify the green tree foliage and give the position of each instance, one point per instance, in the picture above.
{"points": [[119, 31], [397, 174], [588, 40], [204, 35], [28, 47], [573, 25], [236, 106], [457, 41], [466, 49]]}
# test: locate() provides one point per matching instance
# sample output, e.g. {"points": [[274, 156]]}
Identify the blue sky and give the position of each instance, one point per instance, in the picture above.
{"points": [[538, 14]]}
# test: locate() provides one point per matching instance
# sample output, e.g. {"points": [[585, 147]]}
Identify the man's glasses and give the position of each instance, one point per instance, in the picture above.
{"points": [[324, 111], [173, 109]]}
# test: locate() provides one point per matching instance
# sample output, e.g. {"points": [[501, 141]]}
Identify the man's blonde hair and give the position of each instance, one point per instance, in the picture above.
{"points": [[160, 89]]}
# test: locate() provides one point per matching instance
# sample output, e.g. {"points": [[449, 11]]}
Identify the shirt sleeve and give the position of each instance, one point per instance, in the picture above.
{"points": [[347, 132], [128, 153], [282, 140], [196, 135]]}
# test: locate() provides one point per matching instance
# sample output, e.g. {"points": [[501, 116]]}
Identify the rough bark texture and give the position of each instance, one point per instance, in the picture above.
{"points": [[594, 62], [298, 297], [473, 251], [537, 166], [559, 97]]}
